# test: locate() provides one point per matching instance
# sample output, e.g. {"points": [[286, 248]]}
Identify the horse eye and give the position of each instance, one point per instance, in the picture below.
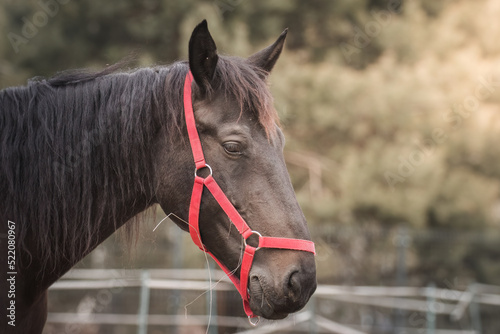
{"points": [[232, 148]]}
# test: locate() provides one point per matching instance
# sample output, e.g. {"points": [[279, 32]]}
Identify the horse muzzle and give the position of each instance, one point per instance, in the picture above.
{"points": [[278, 288]]}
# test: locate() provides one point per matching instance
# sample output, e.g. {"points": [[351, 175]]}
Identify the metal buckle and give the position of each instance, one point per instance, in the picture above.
{"points": [[253, 232], [254, 324], [206, 166]]}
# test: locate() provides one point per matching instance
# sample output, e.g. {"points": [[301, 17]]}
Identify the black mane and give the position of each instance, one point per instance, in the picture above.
{"points": [[74, 146]]}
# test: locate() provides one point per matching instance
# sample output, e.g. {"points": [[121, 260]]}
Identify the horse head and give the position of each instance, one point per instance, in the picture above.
{"points": [[243, 144]]}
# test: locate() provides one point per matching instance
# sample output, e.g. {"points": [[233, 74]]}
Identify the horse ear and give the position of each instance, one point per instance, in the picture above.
{"points": [[266, 58], [202, 56]]}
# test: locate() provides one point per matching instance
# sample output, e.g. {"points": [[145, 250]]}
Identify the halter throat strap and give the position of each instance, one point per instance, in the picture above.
{"points": [[209, 182]]}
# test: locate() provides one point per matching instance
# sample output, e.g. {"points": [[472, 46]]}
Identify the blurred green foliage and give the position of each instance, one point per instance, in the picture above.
{"points": [[391, 108]]}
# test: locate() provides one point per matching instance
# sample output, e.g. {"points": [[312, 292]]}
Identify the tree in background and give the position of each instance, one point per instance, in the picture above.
{"points": [[390, 107]]}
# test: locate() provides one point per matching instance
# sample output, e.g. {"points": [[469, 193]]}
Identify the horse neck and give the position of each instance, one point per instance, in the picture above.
{"points": [[103, 179]]}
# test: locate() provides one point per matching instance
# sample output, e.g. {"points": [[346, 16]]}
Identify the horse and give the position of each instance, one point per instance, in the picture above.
{"points": [[84, 153]]}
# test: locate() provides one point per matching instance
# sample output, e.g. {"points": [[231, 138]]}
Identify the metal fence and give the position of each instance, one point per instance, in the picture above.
{"points": [[419, 306]]}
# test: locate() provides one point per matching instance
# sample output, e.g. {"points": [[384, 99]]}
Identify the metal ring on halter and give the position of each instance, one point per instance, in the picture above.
{"points": [[253, 232], [252, 323], [207, 166]]}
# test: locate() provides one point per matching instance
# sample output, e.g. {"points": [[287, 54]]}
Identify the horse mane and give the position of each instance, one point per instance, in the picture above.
{"points": [[72, 147]]}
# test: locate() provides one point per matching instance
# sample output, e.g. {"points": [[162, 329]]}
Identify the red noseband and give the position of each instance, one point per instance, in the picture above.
{"points": [[227, 206]]}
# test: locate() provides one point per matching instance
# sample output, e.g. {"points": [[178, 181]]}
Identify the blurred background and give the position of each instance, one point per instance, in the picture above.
{"points": [[391, 111]]}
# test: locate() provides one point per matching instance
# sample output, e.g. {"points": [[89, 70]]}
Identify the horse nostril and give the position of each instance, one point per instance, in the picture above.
{"points": [[294, 286], [254, 284]]}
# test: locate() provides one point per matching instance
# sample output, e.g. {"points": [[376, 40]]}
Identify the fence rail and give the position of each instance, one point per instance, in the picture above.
{"points": [[427, 300]]}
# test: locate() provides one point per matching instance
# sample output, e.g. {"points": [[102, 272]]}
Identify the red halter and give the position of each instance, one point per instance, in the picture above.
{"points": [[232, 213]]}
